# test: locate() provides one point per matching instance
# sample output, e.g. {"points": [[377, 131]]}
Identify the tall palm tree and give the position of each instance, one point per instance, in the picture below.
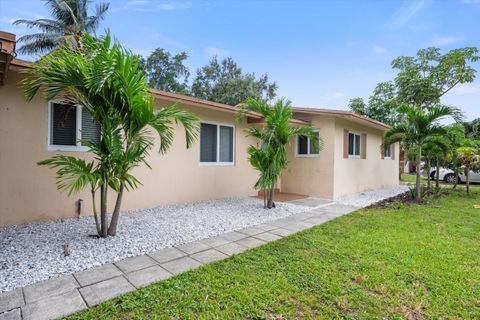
{"points": [[104, 79], [70, 20], [269, 157], [418, 126], [435, 150]]}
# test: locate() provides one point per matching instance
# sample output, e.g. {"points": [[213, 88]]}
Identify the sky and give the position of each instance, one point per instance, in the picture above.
{"points": [[320, 53]]}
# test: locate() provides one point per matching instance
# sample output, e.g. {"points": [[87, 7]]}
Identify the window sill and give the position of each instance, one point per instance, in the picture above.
{"points": [[218, 164], [353, 157], [68, 148], [307, 156]]}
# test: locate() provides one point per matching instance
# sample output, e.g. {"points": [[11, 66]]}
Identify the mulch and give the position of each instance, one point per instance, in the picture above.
{"points": [[405, 197]]}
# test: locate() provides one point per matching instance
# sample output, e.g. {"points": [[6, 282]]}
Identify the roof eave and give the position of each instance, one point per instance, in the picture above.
{"points": [[345, 115]]}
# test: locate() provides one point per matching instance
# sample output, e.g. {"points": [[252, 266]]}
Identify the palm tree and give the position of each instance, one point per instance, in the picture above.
{"points": [[103, 78], [70, 21], [435, 150], [418, 126], [269, 157]]}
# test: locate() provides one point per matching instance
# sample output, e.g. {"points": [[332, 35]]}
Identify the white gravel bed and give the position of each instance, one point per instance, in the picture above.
{"points": [[33, 252], [366, 198]]}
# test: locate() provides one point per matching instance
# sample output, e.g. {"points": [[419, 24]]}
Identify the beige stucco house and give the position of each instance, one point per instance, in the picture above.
{"points": [[215, 167]]}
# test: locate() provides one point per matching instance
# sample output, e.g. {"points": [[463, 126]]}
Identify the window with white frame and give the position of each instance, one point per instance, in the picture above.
{"points": [[216, 143], [353, 145], [307, 146], [388, 152], [69, 126]]}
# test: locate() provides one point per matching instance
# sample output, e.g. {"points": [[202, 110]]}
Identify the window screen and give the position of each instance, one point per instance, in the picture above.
{"points": [[315, 146], [226, 144], [208, 143], [353, 144], [63, 125], [388, 152], [302, 145], [90, 129]]}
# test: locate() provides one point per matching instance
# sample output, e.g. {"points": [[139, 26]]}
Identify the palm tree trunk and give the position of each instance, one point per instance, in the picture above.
{"points": [[418, 195], [270, 198], [264, 199], [467, 181], [456, 181], [95, 214], [428, 174], [103, 210], [112, 230], [437, 175]]}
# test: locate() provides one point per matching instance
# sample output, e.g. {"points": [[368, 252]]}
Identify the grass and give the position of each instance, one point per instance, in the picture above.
{"points": [[410, 179], [407, 177], [399, 262]]}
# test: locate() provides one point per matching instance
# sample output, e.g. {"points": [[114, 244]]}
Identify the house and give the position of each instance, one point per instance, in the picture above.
{"points": [[215, 167]]}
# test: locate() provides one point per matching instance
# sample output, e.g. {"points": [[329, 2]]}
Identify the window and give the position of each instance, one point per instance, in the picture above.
{"points": [[307, 147], [353, 145], [216, 143], [68, 126], [388, 152]]}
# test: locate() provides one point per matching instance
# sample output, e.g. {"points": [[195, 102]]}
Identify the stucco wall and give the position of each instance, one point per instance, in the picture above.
{"points": [[329, 175], [28, 192], [355, 175], [312, 175]]}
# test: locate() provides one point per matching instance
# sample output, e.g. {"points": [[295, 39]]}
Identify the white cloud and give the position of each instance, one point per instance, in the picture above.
{"points": [[405, 13], [442, 41], [8, 20], [467, 88], [379, 50], [214, 51], [147, 6], [338, 95]]}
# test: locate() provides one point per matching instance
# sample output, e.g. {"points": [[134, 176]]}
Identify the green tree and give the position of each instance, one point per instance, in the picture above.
{"points": [[165, 71], [419, 126], [470, 160], [224, 82], [382, 105], [70, 20], [103, 78], [423, 80], [270, 157], [472, 129]]}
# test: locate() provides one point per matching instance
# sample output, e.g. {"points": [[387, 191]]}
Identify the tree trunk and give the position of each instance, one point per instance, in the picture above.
{"points": [[467, 181], [264, 199], [112, 230], [456, 181], [95, 214], [103, 210], [270, 203], [418, 195], [437, 175], [428, 175]]}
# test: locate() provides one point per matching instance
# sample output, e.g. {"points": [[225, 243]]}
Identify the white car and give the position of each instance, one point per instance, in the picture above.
{"points": [[448, 176]]}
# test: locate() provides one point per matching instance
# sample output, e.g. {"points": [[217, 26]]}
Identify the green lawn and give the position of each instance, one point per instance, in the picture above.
{"points": [[412, 262], [406, 177]]}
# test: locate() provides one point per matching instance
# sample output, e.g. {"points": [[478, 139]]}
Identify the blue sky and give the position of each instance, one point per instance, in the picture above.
{"points": [[321, 53]]}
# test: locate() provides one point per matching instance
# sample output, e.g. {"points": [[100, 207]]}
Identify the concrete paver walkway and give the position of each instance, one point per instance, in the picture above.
{"points": [[65, 295]]}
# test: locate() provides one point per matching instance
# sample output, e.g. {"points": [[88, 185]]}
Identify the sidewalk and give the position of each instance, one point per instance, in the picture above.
{"points": [[65, 295]]}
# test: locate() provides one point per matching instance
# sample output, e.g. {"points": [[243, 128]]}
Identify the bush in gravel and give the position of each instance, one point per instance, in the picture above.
{"points": [[270, 158], [104, 79]]}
